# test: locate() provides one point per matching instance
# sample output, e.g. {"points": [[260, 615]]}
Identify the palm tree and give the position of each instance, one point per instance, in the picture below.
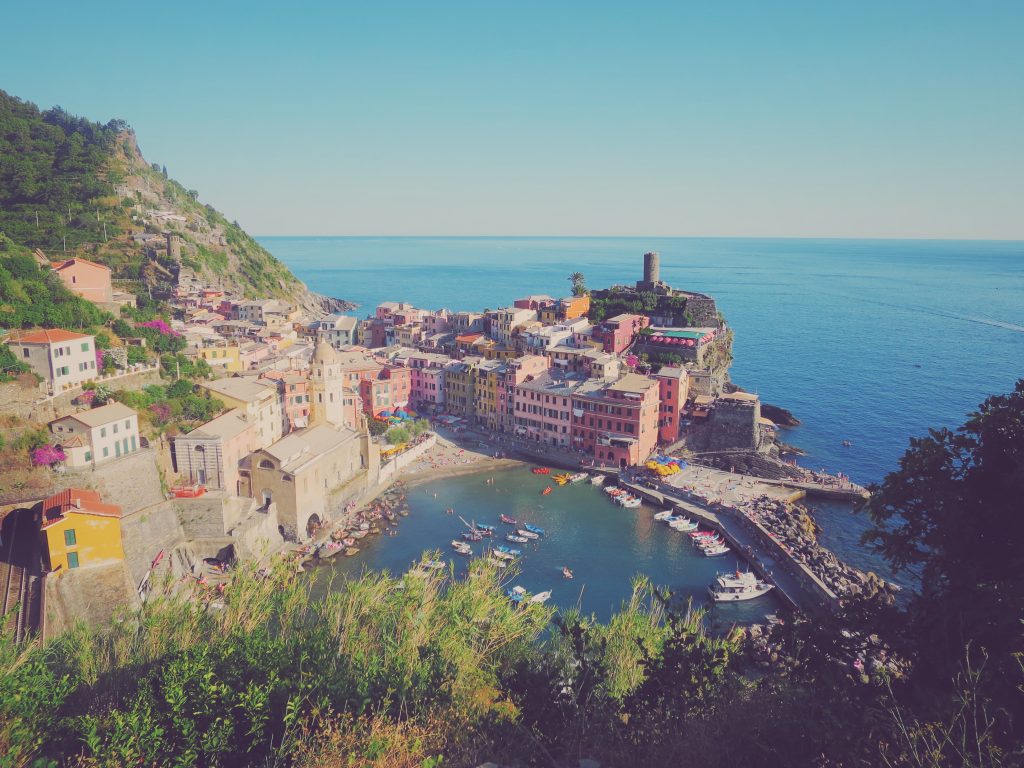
{"points": [[578, 285]]}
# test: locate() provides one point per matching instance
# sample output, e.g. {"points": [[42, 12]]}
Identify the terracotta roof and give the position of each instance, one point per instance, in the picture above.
{"points": [[59, 265], [76, 500], [48, 336], [469, 337]]}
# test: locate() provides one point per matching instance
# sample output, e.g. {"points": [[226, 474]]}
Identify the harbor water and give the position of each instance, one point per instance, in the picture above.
{"points": [[603, 544]]}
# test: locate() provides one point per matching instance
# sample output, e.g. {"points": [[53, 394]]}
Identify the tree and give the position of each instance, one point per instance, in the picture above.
{"points": [[579, 287], [953, 512]]}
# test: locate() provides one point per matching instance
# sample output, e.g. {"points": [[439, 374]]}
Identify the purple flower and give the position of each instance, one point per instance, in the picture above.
{"points": [[47, 456], [159, 325]]}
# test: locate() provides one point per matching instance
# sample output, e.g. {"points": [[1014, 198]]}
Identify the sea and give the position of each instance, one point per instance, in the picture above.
{"points": [[868, 341]]}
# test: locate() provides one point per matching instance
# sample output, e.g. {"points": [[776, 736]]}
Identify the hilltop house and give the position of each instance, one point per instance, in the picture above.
{"points": [[90, 438], [63, 359]]}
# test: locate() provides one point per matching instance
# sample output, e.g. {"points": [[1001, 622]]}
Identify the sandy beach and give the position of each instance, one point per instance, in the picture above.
{"points": [[449, 459]]}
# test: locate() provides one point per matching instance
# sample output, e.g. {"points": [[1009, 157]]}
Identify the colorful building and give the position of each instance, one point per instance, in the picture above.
{"points": [[542, 408], [210, 454], [79, 530], [389, 390], [257, 398], [673, 390], [293, 389], [616, 422], [88, 279], [616, 333], [459, 386], [222, 357]]}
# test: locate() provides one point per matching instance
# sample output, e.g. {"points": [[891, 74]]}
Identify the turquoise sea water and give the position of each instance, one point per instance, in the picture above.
{"points": [[864, 340], [603, 544]]}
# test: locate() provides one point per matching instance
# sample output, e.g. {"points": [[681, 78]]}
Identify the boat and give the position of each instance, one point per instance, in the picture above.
{"points": [[683, 525], [472, 536], [516, 594], [533, 529], [546, 491], [540, 470], [462, 547], [597, 479], [502, 555], [707, 542], [486, 530], [627, 501], [715, 551], [497, 562], [516, 539], [541, 597], [702, 534], [509, 520], [667, 515], [566, 573], [433, 565], [579, 477], [524, 534], [508, 550], [731, 587]]}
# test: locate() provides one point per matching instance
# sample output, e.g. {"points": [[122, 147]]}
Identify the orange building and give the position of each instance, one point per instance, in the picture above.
{"points": [[86, 278]]}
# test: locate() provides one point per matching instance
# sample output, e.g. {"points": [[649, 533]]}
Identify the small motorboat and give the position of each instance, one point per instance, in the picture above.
{"points": [[525, 534], [540, 597], [579, 477], [566, 573], [509, 520], [684, 525], [461, 547], [546, 491], [597, 479], [508, 550], [707, 542], [516, 539], [486, 530], [433, 565], [731, 587], [533, 529], [502, 555], [540, 471], [702, 534], [472, 536], [666, 515], [715, 551]]}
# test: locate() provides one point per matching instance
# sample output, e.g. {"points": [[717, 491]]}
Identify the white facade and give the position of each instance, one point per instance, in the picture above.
{"points": [[94, 437], [63, 359]]}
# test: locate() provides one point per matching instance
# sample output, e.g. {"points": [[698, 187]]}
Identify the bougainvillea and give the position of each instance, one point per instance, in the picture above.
{"points": [[161, 412], [86, 397], [48, 455], [159, 325]]}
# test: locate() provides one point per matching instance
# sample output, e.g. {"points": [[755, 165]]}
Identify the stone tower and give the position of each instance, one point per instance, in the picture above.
{"points": [[326, 389], [652, 268], [173, 245]]}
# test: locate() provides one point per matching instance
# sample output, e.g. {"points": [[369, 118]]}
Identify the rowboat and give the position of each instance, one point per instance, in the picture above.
{"points": [[596, 479], [721, 549], [508, 550], [502, 555], [462, 547], [666, 515], [533, 529], [579, 477], [509, 520], [683, 525], [516, 539], [546, 491], [433, 565], [541, 597], [525, 534]]}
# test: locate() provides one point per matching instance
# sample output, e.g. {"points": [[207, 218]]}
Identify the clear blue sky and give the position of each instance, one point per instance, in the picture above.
{"points": [[856, 118]]}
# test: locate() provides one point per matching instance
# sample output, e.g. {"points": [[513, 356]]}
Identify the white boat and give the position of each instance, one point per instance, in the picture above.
{"points": [[597, 479], [502, 555], [462, 547], [664, 515], [731, 587], [541, 597], [526, 534], [433, 565], [499, 564], [708, 543], [721, 549], [515, 539], [683, 525], [627, 501]]}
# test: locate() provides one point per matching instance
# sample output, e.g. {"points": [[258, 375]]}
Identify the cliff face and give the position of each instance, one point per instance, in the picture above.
{"points": [[72, 187], [216, 250]]}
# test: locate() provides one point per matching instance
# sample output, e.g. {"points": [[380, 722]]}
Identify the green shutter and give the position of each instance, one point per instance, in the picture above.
{"points": [[69, 537], [72, 559]]}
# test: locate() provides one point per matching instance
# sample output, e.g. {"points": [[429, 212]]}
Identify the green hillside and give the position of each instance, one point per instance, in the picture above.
{"points": [[72, 187]]}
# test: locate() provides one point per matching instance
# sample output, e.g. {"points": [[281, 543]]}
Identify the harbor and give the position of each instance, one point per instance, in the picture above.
{"points": [[603, 544]]}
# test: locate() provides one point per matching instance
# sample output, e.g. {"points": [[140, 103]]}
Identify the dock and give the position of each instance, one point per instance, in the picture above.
{"points": [[795, 584]]}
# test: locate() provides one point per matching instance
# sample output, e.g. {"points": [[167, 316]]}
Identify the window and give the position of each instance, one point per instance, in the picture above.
{"points": [[72, 559], [103, 431], [127, 423], [25, 353], [88, 455], [69, 538], [85, 347], [106, 452]]}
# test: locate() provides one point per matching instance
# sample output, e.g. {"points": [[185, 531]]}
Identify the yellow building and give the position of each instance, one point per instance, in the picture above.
{"points": [[79, 529], [459, 382], [223, 358], [488, 380]]}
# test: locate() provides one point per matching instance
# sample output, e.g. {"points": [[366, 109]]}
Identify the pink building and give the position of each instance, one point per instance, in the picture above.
{"points": [[542, 408], [426, 379], [293, 388], [617, 333], [86, 278], [616, 422], [673, 384], [515, 373], [536, 303], [389, 390]]}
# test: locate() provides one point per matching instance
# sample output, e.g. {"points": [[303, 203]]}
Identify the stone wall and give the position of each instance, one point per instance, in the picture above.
{"points": [[734, 426]]}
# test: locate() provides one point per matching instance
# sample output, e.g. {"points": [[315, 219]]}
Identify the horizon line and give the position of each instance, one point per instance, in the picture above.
{"points": [[660, 237]]}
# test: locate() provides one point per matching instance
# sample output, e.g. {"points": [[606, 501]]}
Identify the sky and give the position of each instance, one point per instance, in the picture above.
{"points": [[718, 118]]}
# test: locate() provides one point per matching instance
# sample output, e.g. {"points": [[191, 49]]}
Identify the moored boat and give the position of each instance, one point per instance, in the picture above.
{"points": [[509, 520], [462, 547], [731, 587], [597, 479], [579, 477], [525, 534], [667, 515], [541, 597], [515, 539], [534, 529], [721, 549], [509, 550], [433, 565]]}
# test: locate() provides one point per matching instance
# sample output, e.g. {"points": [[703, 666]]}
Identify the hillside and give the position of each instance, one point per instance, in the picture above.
{"points": [[69, 186]]}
